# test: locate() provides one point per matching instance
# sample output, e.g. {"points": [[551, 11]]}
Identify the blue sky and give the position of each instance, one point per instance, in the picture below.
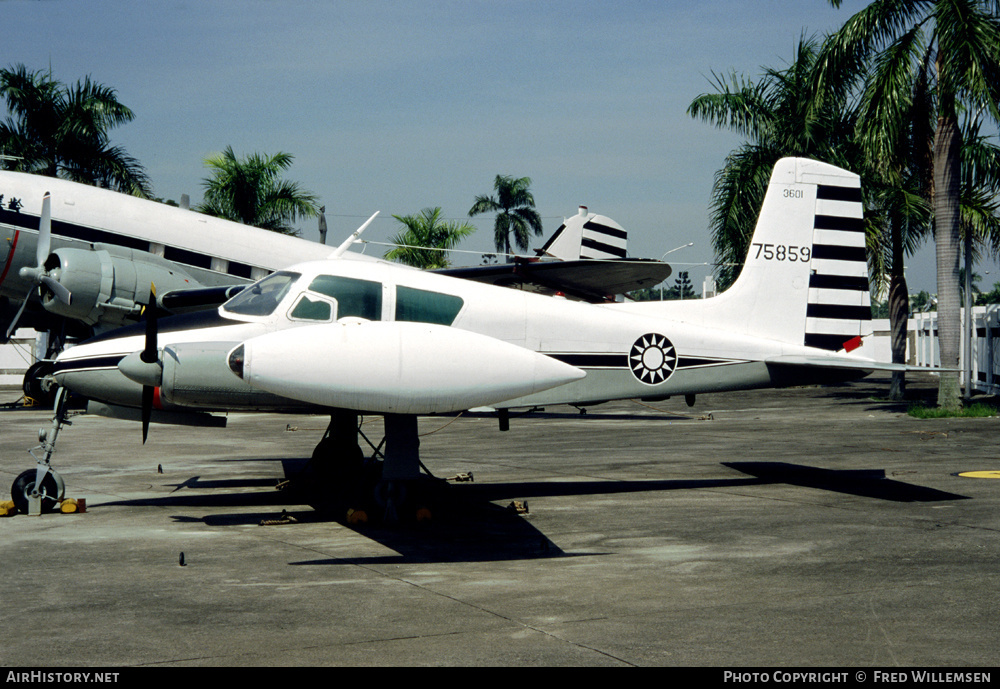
{"points": [[398, 106]]}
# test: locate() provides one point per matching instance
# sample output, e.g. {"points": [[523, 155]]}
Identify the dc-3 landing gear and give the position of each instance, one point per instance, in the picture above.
{"points": [[42, 489], [388, 487]]}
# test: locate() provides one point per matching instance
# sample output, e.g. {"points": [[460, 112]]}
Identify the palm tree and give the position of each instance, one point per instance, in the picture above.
{"points": [[963, 37], [249, 191], [426, 238], [62, 131], [779, 118], [515, 208]]}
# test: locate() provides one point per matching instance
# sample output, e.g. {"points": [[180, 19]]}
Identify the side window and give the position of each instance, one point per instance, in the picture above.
{"points": [[422, 306], [309, 309], [358, 298]]}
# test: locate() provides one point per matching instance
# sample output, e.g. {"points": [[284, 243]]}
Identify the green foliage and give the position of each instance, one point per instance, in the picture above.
{"points": [[250, 191], [779, 116], [977, 410], [62, 131], [426, 238], [938, 58], [682, 288], [514, 205], [991, 297]]}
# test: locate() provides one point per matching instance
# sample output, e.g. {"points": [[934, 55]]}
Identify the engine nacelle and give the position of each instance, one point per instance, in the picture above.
{"points": [[196, 374], [110, 285]]}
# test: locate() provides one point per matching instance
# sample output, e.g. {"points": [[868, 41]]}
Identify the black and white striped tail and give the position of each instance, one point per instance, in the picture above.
{"points": [[603, 239], [839, 304]]}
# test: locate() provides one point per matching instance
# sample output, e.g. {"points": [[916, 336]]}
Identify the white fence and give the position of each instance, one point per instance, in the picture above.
{"points": [[985, 346]]}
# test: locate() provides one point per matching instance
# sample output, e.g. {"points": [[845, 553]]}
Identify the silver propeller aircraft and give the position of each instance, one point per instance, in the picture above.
{"points": [[348, 338]]}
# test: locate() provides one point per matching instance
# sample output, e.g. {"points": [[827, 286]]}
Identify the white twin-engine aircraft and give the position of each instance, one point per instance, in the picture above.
{"points": [[349, 338]]}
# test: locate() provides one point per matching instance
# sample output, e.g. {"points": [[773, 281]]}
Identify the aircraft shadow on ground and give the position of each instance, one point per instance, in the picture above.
{"points": [[469, 525]]}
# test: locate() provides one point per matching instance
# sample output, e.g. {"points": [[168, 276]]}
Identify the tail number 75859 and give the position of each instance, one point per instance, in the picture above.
{"points": [[781, 252]]}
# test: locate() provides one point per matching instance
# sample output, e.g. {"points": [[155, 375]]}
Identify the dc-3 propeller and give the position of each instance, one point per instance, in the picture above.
{"points": [[39, 275]]}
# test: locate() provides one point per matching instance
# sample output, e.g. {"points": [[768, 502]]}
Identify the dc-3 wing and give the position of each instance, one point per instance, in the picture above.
{"points": [[591, 280], [584, 259]]}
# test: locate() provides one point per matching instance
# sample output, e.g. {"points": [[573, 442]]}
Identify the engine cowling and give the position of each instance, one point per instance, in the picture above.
{"points": [[109, 285]]}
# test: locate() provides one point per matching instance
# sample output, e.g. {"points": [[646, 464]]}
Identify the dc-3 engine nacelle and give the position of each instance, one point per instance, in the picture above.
{"points": [[109, 285]]}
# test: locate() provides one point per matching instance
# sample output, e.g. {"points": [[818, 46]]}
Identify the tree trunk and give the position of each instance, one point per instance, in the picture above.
{"points": [[947, 144], [899, 308], [899, 311]]}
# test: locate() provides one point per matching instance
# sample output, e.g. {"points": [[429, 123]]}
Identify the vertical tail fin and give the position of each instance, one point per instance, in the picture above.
{"points": [[587, 235], [805, 280]]}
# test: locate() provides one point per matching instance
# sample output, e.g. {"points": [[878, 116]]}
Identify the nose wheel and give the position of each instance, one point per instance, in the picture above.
{"points": [[43, 481], [50, 492]]}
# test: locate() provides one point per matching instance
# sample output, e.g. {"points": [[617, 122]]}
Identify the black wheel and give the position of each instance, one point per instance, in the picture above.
{"points": [[33, 387], [52, 490]]}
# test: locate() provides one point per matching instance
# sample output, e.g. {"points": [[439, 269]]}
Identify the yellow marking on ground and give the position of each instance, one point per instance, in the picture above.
{"points": [[980, 474]]}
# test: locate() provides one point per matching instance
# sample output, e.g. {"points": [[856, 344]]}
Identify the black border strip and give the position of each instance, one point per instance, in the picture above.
{"points": [[827, 281], [838, 222], [841, 312], [840, 253], [828, 192], [606, 248]]}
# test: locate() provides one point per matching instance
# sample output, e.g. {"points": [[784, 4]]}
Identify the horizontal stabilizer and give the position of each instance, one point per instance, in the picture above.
{"points": [[852, 363]]}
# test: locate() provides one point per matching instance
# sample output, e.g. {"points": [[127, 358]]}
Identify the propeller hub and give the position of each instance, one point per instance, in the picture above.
{"points": [[136, 368]]}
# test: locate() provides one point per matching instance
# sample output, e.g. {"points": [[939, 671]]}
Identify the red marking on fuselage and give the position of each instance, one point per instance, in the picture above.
{"points": [[10, 256]]}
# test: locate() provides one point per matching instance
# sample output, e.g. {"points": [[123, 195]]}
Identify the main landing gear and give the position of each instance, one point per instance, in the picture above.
{"points": [[42, 489], [388, 487]]}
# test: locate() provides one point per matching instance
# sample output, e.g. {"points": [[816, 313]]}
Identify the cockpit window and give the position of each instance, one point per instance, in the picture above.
{"points": [[309, 309], [358, 298], [422, 306], [261, 298]]}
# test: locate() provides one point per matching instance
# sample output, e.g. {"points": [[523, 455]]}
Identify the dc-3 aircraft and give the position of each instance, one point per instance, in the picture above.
{"points": [[346, 338]]}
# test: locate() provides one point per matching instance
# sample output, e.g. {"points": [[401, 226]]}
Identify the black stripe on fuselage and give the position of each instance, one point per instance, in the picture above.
{"points": [[188, 321], [90, 235], [621, 361], [88, 364]]}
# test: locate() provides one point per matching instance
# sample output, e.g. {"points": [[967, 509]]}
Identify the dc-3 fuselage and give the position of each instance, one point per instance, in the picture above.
{"points": [[380, 338]]}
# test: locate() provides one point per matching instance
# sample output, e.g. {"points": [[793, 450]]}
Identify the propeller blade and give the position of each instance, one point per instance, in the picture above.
{"points": [[44, 231], [147, 409], [13, 323], [150, 353], [60, 292]]}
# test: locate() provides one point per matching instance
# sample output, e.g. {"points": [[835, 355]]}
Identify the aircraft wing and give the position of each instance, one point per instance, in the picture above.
{"points": [[591, 280]]}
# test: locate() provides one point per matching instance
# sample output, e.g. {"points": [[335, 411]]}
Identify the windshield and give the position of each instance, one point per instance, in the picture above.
{"points": [[262, 298]]}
